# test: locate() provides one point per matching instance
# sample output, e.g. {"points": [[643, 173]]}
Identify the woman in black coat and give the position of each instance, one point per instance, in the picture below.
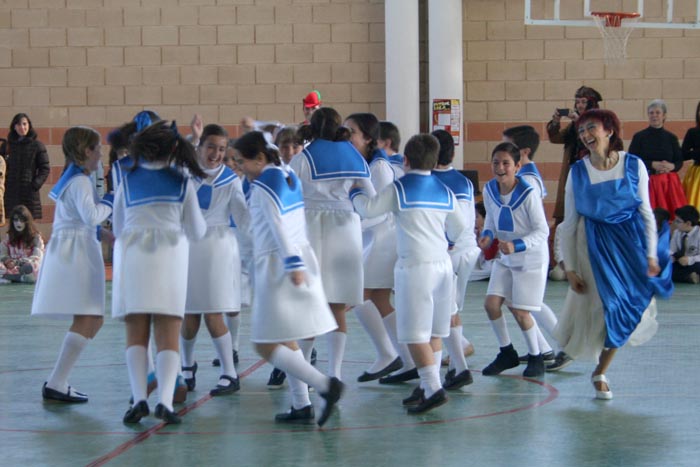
{"points": [[27, 166]]}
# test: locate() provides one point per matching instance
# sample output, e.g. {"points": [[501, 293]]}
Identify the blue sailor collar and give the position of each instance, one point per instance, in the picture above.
{"points": [[120, 166], [531, 169], [333, 160], [418, 189], [518, 195], [460, 185], [286, 195], [396, 159], [378, 154], [71, 171], [147, 184]]}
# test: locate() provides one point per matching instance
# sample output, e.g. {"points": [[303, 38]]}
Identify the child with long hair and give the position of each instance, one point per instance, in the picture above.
{"points": [[155, 213], [71, 281], [22, 249], [289, 302]]}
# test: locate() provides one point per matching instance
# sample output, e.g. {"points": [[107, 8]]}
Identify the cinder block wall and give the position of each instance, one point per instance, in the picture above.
{"points": [[98, 62]]}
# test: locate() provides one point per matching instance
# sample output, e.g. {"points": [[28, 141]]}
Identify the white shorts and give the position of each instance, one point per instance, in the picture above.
{"points": [[463, 265], [424, 300], [523, 289]]}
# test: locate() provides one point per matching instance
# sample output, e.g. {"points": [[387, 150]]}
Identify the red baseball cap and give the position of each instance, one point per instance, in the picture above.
{"points": [[312, 99]]}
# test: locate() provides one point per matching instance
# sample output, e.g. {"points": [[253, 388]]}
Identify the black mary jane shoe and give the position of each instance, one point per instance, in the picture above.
{"points": [[332, 396], [136, 412], [168, 416], [391, 367], [221, 390], [415, 398], [191, 382], [436, 400], [402, 377], [70, 396], [302, 416]]}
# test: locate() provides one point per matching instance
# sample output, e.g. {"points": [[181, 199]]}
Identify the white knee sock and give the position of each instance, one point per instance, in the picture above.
{"points": [[500, 328], [546, 319], [430, 379], [299, 391], [455, 349], [224, 351], [370, 319], [306, 347], [294, 365], [167, 364], [72, 347], [187, 354], [465, 341], [234, 324], [542, 343], [437, 356], [402, 349], [533, 346], [137, 366], [336, 352]]}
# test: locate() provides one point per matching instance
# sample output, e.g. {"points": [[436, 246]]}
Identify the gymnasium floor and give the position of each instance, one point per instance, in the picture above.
{"points": [[500, 421]]}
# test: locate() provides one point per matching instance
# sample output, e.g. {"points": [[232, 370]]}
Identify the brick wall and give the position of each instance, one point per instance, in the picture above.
{"points": [[98, 62]]}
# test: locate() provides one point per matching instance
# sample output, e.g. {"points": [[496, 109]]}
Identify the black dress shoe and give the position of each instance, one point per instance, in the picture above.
{"points": [[436, 400], [233, 386], [136, 412], [71, 396], [391, 367], [217, 362], [535, 367], [507, 358], [168, 416], [335, 390], [305, 415], [191, 382], [457, 381], [448, 376], [400, 377], [277, 378], [415, 398]]}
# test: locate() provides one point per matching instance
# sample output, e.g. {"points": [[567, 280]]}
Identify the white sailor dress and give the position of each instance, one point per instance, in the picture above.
{"points": [[214, 278], [328, 170], [155, 212], [282, 311], [72, 276]]}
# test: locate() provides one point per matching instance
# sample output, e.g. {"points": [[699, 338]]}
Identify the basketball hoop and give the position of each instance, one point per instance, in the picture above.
{"points": [[614, 34]]}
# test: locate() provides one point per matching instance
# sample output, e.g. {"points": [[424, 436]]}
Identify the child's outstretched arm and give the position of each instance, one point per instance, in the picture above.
{"points": [[368, 206]]}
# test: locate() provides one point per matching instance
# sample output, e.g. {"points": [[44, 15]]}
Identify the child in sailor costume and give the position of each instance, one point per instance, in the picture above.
{"points": [[155, 212], [527, 140], [213, 282], [516, 218], [376, 313], [289, 303], [464, 253], [426, 217], [71, 281], [327, 168]]}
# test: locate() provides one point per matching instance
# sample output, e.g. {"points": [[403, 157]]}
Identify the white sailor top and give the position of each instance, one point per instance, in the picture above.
{"points": [[426, 215], [517, 217], [382, 174], [77, 203], [156, 196], [278, 222], [119, 168], [532, 176], [221, 199], [327, 170], [463, 189], [397, 163]]}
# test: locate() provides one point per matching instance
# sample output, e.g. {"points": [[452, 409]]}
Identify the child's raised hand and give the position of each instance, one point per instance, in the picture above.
{"points": [[506, 248], [484, 242], [297, 277]]}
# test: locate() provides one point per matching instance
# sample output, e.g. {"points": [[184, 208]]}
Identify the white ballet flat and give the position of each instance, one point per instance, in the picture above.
{"points": [[602, 395]]}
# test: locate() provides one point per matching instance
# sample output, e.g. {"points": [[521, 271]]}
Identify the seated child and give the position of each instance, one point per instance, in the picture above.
{"points": [[22, 248], [685, 245]]}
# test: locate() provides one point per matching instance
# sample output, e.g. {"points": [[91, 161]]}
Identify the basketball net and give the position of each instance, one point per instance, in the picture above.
{"points": [[615, 35]]}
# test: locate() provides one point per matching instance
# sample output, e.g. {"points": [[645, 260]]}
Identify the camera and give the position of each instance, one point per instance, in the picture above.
{"points": [[563, 112]]}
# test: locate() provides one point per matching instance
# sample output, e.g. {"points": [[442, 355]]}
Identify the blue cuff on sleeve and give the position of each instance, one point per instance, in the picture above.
{"points": [[293, 263], [108, 200], [487, 233], [99, 233], [354, 192], [519, 245]]}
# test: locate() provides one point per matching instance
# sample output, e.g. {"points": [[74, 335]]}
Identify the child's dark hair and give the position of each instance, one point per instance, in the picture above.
{"points": [[524, 137], [421, 151], [25, 237], [447, 147], [369, 126], [253, 143], [509, 148], [13, 135], [288, 135], [162, 142], [662, 217], [117, 140], [480, 208], [688, 213], [389, 131], [325, 124], [213, 129], [121, 137]]}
